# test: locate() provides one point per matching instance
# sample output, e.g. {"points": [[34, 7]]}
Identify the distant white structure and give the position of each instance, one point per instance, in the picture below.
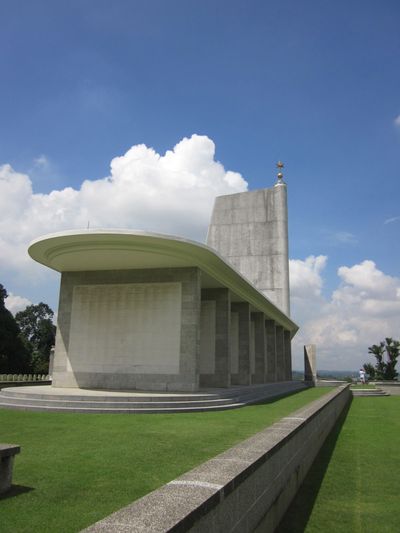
{"points": [[310, 363], [146, 311]]}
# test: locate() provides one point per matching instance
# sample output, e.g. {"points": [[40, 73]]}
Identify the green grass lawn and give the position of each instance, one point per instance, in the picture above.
{"points": [[77, 468], [361, 386], [354, 484]]}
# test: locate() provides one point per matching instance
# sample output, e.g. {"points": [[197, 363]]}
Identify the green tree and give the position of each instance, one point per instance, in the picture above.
{"points": [[14, 357], [38, 334], [392, 352], [385, 366], [378, 351], [370, 370]]}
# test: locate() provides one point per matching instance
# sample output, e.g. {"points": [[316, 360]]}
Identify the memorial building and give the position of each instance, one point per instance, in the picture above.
{"points": [[145, 311]]}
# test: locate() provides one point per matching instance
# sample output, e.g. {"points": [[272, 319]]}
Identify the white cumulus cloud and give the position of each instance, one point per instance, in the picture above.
{"points": [[170, 193], [363, 310], [305, 276], [16, 303]]}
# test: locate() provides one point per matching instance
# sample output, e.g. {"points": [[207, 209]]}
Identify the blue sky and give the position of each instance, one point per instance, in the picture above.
{"points": [[314, 83]]}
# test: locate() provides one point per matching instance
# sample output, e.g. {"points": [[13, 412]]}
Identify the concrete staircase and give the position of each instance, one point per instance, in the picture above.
{"points": [[47, 398], [369, 392]]}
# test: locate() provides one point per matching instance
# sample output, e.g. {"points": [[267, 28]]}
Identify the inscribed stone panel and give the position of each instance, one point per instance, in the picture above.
{"points": [[131, 327]]}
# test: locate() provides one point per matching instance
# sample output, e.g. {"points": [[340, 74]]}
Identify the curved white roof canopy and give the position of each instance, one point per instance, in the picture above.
{"points": [[88, 250]]}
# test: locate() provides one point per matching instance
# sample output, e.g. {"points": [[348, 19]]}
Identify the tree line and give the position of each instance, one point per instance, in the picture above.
{"points": [[26, 339]]}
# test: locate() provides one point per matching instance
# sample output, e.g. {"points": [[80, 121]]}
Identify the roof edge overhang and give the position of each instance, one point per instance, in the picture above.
{"points": [[59, 250]]}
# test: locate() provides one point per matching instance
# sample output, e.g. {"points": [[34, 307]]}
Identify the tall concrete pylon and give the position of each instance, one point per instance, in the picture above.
{"points": [[250, 230]]}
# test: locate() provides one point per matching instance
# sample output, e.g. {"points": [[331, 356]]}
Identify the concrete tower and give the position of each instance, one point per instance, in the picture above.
{"points": [[250, 229]]}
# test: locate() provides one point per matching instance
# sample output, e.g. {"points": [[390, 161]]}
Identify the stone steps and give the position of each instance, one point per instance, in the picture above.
{"points": [[96, 402], [369, 392]]}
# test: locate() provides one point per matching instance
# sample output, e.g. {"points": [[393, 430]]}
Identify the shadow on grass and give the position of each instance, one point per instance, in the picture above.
{"points": [[15, 490], [278, 397], [296, 517]]}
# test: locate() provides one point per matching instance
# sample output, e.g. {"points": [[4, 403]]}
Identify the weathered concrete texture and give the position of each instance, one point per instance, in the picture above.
{"points": [[74, 400], [242, 377], [160, 358], [288, 354], [270, 335], [310, 363], [7, 453], [247, 488], [221, 377], [250, 229], [280, 353], [259, 348], [207, 337], [392, 387]]}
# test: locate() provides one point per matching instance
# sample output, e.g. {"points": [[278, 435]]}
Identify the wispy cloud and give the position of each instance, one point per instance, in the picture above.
{"points": [[391, 220], [337, 237], [344, 237], [41, 161], [397, 120]]}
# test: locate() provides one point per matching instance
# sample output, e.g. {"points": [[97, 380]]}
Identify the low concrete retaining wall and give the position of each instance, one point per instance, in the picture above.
{"points": [[247, 488], [392, 387]]}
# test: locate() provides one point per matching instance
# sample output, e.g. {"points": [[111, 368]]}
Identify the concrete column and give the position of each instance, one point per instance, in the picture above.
{"points": [[270, 335], [310, 363], [280, 354], [259, 347], [288, 355], [51, 361], [221, 376], [243, 376]]}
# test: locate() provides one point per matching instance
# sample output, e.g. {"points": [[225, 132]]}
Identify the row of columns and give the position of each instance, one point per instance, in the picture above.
{"points": [[240, 347]]}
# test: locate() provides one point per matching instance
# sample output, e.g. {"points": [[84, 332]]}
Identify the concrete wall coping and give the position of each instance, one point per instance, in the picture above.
{"points": [[8, 450], [179, 504]]}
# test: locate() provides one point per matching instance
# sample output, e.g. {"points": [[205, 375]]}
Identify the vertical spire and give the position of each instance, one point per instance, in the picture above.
{"points": [[280, 181]]}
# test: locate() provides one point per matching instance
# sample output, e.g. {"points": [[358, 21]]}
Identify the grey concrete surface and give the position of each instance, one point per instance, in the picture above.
{"points": [[114, 373], [288, 354], [310, 363], [280, 353], [242, 377], [392, 387], [271, 363], [53, 399], [247, 488], [222, 373], [259, 348], [250, 229], [7, 454]]}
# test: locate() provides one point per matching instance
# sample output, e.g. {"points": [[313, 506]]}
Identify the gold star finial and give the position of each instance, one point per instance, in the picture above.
{"points": [[280, 166]]}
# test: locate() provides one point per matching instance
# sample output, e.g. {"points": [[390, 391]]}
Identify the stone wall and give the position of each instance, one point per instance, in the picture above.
{"points": [[247, 488], [129, 329]]}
